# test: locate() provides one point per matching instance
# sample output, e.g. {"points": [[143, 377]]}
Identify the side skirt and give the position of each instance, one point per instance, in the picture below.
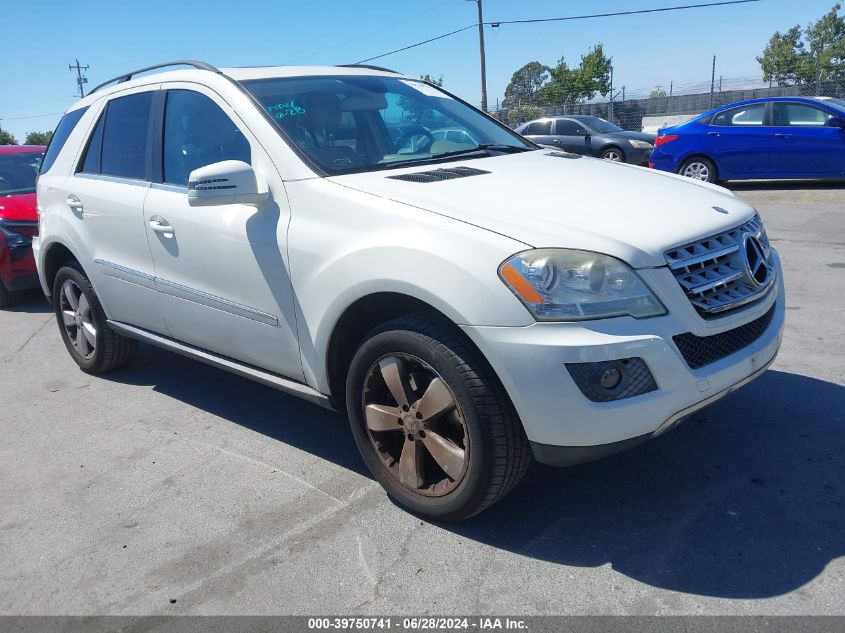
{"points": [[209, 358]]}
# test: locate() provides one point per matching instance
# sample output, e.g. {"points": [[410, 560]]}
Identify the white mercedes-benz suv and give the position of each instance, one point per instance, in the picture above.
{"points": [[471, 299]]}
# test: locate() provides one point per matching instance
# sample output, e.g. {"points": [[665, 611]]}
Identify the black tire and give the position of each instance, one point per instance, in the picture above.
{"points": [[706, 163], [111, 350], [607, 151], [499, 451], [7, 297]]}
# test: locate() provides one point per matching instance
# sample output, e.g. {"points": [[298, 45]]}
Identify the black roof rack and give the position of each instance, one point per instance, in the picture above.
{"points": [[387, 70], [129, 75]]}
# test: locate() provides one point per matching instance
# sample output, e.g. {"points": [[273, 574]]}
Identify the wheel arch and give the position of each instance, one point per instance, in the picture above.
{"points": [[56, 254], [363, 316]]}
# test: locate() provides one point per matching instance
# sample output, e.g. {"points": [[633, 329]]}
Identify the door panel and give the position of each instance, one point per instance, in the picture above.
{"points": [[803, 145], [739, 140], [572, 137], [221, 271], [107, 196]]}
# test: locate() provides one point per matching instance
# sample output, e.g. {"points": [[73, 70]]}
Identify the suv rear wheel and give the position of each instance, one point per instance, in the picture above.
{"points": [[94, 346], [433, 425]]}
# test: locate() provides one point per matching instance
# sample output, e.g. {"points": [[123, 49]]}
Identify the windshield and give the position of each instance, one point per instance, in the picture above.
{"points": [[18, 172], [599, 126], [359, 123], [839, 104]]}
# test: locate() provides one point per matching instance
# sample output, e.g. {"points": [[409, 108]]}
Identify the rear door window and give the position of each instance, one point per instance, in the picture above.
{"points": [[125, 134], [753, 114], [60, 136], [568, 127], [538, 128]]}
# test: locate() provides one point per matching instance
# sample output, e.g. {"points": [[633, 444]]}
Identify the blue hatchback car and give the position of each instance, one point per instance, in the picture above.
{"points": [[778, 137]]}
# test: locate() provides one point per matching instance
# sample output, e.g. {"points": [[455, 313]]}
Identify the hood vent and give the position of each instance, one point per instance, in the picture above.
{"points": [[563, 155], [440, 174]]}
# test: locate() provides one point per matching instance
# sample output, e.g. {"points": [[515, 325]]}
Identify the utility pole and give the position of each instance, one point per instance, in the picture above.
{"points": [[80, 79], [712, 81], [611, 92], [483, 60]]}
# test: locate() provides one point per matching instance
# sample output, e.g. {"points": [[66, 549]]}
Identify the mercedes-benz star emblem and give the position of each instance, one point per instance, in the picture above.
{"points": [[720, 210], [756, 265]]}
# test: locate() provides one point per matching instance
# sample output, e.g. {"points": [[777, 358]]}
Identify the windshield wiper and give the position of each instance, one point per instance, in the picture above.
{"points": [[483, 148]]}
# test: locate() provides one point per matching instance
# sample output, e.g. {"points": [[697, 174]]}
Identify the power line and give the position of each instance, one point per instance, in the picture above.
{"points": [[560, 19], [371, 33], [34, 116]]}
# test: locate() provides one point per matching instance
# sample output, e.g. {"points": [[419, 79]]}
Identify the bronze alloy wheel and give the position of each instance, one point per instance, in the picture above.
{"points": [[78, 319], [415, 424]]}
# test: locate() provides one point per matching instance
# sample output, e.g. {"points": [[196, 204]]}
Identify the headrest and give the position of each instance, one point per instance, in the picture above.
{"points": [[322, 109]]}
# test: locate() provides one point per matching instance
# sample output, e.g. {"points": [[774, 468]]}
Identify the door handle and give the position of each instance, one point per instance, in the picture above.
{"points": [[783, 135], [713, 133], [160, 225], [556, 140], [75, 204]]}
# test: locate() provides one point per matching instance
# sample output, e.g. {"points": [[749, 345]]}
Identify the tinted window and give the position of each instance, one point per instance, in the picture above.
{"points": [[91, 161], [18, 172], [60, 137], [198, 133], [125, 136], [568, 127], [538, 128], [799, 114], [744, 115]]}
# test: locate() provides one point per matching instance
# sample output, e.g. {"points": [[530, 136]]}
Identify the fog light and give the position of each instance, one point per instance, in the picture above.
{"points": [[612, 380]]}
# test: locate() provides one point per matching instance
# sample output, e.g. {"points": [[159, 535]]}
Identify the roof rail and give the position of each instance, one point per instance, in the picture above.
{"points": [[387, 70], [129, 75]]}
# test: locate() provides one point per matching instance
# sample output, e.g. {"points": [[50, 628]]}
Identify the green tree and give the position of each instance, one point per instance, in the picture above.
{"points": [[523, 114], [803, 56], [524, 87], [38, 138], [657, 93], [581, 83], [6, 138]]}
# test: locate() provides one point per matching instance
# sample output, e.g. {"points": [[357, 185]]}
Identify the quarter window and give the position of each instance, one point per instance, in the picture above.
{"points": [[800, 115], [197, 133], [538, 128], [60, 136], [743, 115]]}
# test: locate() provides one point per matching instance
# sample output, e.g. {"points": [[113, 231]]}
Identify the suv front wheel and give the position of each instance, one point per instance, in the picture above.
{"points": [[433, 425], [94, 346]]}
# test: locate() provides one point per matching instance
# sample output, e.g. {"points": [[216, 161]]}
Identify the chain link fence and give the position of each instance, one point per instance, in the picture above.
{"points": [[629, 113]]}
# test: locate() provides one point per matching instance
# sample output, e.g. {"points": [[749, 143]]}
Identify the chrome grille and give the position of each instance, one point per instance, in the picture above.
{"points": [[713, 272]]}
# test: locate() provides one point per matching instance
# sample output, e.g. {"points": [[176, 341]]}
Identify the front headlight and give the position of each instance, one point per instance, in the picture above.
{"points": [[640, 144], [567, 285]]}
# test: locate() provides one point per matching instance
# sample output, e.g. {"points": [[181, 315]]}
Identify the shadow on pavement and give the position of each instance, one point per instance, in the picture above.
{"points": [[744, 500], [784, 185], [29, 302]]}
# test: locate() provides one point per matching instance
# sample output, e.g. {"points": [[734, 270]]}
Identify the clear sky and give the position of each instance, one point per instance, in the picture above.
{"points": [[41, 38]]}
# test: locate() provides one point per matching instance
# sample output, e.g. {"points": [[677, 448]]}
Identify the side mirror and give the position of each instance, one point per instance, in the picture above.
{"points": [[226, 182], [836, 121]]}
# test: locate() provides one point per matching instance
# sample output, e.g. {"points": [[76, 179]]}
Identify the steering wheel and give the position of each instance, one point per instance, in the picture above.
{"points": [[407, 140]]}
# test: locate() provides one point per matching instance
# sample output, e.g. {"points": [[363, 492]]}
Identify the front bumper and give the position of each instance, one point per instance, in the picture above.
{"points": [[637, 156], [17, 265], [566, 427]]}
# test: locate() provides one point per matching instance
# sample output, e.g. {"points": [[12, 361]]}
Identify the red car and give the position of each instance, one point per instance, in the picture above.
{"points": [[18, 218]]}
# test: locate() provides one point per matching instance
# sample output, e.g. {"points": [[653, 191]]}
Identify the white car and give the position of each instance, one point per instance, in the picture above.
{"points": [[469, 308]]}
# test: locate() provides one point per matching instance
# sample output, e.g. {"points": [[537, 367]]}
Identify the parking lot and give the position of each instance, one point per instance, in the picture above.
{"points": [[172, 487]]}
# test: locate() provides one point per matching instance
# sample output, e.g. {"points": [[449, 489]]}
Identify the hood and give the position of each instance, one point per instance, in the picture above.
{"points": [[18, 207], [544, 200], [637, 136]]}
